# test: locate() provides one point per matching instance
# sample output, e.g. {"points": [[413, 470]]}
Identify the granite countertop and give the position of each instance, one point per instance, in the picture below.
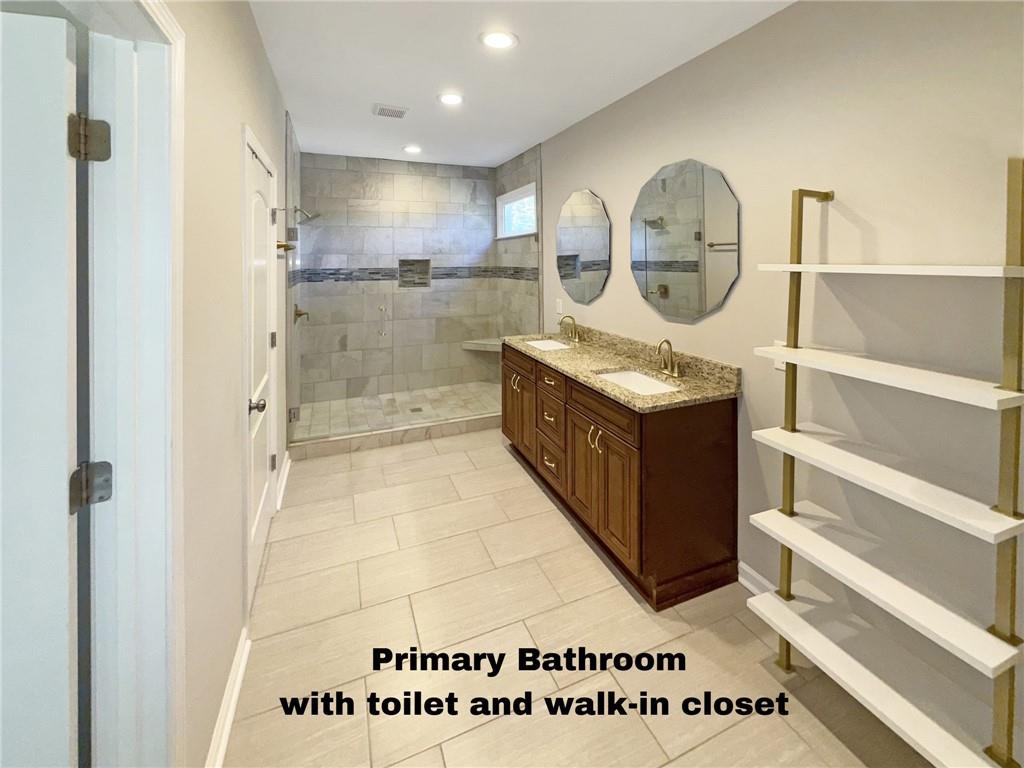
{"points": [[702, 380]]}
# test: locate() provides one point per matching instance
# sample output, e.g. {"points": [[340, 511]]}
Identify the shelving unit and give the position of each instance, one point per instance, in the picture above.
{"points": [[828, 634]]}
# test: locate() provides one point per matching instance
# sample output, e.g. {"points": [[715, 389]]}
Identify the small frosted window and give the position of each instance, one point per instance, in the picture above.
{"points": [[517, 212]]}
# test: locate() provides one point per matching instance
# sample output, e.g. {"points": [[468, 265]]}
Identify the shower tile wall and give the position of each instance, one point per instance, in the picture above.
{"points": [[364, 334]]}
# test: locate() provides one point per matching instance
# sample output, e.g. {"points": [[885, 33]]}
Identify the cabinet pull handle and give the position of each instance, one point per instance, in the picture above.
{"points": [[514, 377], [550, 419], [588, 436], [548, 464], [549, 382], [597, 441]]}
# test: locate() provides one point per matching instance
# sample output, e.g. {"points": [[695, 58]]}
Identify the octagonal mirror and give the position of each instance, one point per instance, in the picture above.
{"points": [[684, 240], [583, 246]]}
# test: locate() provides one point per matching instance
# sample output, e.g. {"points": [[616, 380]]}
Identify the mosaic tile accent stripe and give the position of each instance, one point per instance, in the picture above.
{"points": [[665, 266], [594, 266], [297, 276]]}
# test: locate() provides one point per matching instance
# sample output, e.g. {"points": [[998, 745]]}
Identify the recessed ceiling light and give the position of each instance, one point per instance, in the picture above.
{"points": [[450, 99], [499, 40], [413, 149]]}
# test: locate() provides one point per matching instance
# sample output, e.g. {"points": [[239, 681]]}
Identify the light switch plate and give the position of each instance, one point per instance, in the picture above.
{"points": [[558, 306]]}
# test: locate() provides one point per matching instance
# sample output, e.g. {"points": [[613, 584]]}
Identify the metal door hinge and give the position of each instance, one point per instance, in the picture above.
{"points": [[273, 462], [92, 482], [273, 215], [88, 140], [293, 415], [273, 339]]}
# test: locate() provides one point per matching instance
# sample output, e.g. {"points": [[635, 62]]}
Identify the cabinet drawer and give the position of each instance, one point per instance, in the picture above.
{"points": [[550, 381], [612, 416], [551, 418], [523, 364], [551, 462]]}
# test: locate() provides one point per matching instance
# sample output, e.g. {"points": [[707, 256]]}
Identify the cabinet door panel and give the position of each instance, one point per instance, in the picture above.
{"points": [[581, 477], [527, 419], [618, 470], [509, 406]]}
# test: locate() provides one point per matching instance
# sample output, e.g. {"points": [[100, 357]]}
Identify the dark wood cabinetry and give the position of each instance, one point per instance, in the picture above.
{"points": [[656, 490]]}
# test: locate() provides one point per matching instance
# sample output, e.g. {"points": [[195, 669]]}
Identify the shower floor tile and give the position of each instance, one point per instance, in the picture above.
{"points": [[336, 418]]}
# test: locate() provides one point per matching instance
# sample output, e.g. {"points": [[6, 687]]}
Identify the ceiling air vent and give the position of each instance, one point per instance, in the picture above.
{"points": [[389, 110]]}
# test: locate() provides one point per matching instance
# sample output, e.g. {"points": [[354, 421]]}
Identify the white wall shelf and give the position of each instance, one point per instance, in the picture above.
{"points": [[964, 639], [983, 394], [899, 688], [959, 511], [912, 270]]}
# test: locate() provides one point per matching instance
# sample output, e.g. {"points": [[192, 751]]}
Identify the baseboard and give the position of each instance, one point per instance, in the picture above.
{"points": [[226, 716], [753, 580], [282, 479]]}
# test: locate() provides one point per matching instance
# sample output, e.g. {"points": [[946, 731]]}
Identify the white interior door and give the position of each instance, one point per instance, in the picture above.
{"points": [[259, 269], [37, 393]]}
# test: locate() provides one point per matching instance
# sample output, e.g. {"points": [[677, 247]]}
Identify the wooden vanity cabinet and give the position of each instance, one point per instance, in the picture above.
{"points": [[658, 491], [519, 403]]}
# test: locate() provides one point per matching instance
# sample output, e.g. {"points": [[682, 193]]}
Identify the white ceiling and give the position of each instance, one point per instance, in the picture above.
{"points": [[335, 60]]}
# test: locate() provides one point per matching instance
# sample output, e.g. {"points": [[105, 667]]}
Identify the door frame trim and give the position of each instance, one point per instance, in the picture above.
{"points": [[250, 143], [173, 609]]}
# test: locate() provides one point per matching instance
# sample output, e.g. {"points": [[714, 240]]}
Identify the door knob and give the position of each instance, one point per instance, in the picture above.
{"points": [[259, 406]]}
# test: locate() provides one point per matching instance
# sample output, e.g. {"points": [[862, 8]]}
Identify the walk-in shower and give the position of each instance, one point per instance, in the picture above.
{"points": [[399, 293]]}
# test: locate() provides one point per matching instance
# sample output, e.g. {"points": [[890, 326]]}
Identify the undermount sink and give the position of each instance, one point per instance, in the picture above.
{"points": [[547, 345], [637, 382]]}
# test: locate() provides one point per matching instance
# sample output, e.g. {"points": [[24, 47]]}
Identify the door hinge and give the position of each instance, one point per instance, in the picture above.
{"points": [[92, 482], [293, 415], [273, 339], [88, 140], [273, 215], [273, 462]]}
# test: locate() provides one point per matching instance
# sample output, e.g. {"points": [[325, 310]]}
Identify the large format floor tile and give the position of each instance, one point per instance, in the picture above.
{"points": [[311, 518], [393, 454], [273, 739], [404, 498], [477, 482], [523, 501], [321, 656], [761, 742], [426, 468], [447, 520], [316, 551], [394, 738], [467, 441], [577, 571], [725, 659], [292, 603], [491, 456], [610, 621], [323, 487], [326, 465], [466, 608], [529, 537], [704, 610], [386, 577], [549, 741]]}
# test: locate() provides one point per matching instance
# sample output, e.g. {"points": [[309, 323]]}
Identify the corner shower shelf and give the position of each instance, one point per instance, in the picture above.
{"points": [[983, 394], [483, 345], [898, 687], [964, 639], [918, 270], [952, 508]]}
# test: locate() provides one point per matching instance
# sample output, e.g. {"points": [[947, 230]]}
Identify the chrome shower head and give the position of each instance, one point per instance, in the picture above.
{"points": [[308, 216], [658, 223]]}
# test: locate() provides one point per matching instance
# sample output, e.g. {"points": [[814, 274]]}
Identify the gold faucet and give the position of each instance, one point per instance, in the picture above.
{"points": [[574, 335], [669, 364]]}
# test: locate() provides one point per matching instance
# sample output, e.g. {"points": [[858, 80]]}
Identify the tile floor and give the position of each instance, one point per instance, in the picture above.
{"points": [[336, 418], [449, 544]]}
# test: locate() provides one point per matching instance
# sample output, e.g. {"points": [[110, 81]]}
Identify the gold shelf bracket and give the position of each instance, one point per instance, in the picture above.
{"points": [[1005, 625], [796, 252]]}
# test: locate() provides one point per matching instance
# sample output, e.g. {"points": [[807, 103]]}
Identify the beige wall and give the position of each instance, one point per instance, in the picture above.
{"points": [[908, 111], [228, 83]]}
